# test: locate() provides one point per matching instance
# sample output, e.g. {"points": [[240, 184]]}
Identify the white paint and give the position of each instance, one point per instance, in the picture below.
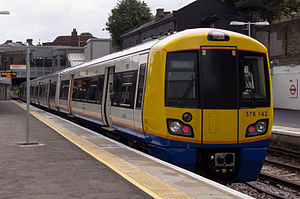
{"points": [[282, 79]]}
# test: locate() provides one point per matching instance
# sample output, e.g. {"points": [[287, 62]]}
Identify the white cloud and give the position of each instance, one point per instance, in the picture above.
{"points": [[44, 20]]}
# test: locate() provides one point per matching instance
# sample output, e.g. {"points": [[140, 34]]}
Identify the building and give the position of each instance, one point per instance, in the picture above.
{"points": [[45, 59], [96, 48], [198, 14], [74, 40]]}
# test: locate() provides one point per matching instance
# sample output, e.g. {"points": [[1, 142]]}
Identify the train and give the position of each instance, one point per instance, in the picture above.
{"points": [[200, 99]]}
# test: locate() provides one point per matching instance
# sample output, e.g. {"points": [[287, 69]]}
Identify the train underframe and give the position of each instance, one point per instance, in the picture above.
{"points": [[224, 165]]}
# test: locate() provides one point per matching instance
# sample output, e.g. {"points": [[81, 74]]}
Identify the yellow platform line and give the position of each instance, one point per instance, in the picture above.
{"points": [[152, 185]]}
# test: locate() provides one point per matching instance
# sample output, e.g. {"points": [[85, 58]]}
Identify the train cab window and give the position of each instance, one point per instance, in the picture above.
{"points": [[253, 79], [64, 89], [181, 88]]}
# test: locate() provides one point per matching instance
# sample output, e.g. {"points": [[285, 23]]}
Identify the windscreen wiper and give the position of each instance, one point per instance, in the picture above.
{"points": [[187, 91]]}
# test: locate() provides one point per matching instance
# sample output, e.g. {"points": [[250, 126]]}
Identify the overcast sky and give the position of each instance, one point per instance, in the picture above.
{"points": [[44, 20]]}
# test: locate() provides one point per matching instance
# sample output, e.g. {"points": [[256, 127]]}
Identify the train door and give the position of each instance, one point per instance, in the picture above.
{"points": [[219, 94], [39, 87], [106, 99], [48, 93], [70, 93], [57, 93], [138, 109]]}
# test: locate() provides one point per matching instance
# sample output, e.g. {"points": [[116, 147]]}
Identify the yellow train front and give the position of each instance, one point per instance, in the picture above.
{"points": [[208, 103]]}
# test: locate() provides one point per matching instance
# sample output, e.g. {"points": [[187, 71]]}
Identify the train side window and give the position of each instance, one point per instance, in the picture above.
{"points": [[141, 85], [100, 91], [52, 90], [94, 87], [64, 89], [124, 89], [181, 87], [79, 90], [116, 88], [42, 90]]}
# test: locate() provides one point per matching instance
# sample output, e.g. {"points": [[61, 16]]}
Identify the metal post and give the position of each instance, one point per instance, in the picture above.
{"points": [[28, 95], [249, 29]]}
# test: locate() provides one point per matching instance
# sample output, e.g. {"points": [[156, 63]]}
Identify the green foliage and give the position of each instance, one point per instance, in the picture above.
{"points": [[125, 16], [269, 10]]}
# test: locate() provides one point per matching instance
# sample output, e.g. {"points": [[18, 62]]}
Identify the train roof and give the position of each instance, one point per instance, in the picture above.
{"points": [[191, 38], [136, 49]]}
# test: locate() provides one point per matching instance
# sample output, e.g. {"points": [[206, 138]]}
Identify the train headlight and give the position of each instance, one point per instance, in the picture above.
{"points": [[176, 127], [258, 128], [261, 126]]}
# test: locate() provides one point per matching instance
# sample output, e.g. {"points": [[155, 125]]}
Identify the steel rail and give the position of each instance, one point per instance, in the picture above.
{"points": [[278, 180]]}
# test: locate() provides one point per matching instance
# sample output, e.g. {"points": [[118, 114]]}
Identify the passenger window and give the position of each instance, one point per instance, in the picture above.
{"points": [[141, 85], [52, 90], [88, 89], [79, 90], [124, 89], [64, 89]]}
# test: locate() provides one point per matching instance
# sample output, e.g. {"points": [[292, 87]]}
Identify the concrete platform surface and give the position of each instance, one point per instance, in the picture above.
{"points": [[54, 169], [74, 162]]}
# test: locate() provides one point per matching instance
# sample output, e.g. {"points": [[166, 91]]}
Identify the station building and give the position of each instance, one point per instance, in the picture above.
{"points": [[46, 58]]}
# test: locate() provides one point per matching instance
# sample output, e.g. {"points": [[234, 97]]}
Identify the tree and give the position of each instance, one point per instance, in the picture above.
{"points": [[269, 10], [125, 16]]}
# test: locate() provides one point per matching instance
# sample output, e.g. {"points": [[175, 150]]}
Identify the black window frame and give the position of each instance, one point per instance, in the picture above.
{"points": [[64, 89], [199, 82], [119, 84], [141, 86], [257, 102], [86, 95], [181, 102], [52, 90]]}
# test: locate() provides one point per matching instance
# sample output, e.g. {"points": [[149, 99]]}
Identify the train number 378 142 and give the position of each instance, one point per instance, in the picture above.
{"points": [[254, 114]]}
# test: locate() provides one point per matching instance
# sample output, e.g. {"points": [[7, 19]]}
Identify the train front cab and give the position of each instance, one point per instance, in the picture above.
{"points": [[214, 113]]}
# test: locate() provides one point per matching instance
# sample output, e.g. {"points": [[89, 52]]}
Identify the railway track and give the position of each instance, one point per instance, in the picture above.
{"points": [[280, 177]]}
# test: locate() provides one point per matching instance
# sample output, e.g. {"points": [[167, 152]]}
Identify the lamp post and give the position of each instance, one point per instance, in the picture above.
{"points": [[240, 23], [4, 12]]}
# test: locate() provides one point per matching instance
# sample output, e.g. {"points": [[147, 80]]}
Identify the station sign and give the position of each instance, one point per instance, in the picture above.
{"points": [[293, 88], [18, 67], [8, 74]]}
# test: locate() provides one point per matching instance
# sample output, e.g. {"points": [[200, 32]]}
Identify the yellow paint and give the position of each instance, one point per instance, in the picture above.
{"points": [[250, 116], [219, 126], [152, 185]]}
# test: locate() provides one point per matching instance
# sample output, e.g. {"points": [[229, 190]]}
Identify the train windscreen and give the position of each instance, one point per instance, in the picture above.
{"points": [[217, 78]]}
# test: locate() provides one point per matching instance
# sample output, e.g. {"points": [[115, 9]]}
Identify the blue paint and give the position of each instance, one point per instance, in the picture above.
{"points": [[185, 158], [250, 162]]}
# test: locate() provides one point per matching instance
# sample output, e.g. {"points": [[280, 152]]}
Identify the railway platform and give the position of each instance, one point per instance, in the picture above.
{"points": [[286, 130], [68, 161]]}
